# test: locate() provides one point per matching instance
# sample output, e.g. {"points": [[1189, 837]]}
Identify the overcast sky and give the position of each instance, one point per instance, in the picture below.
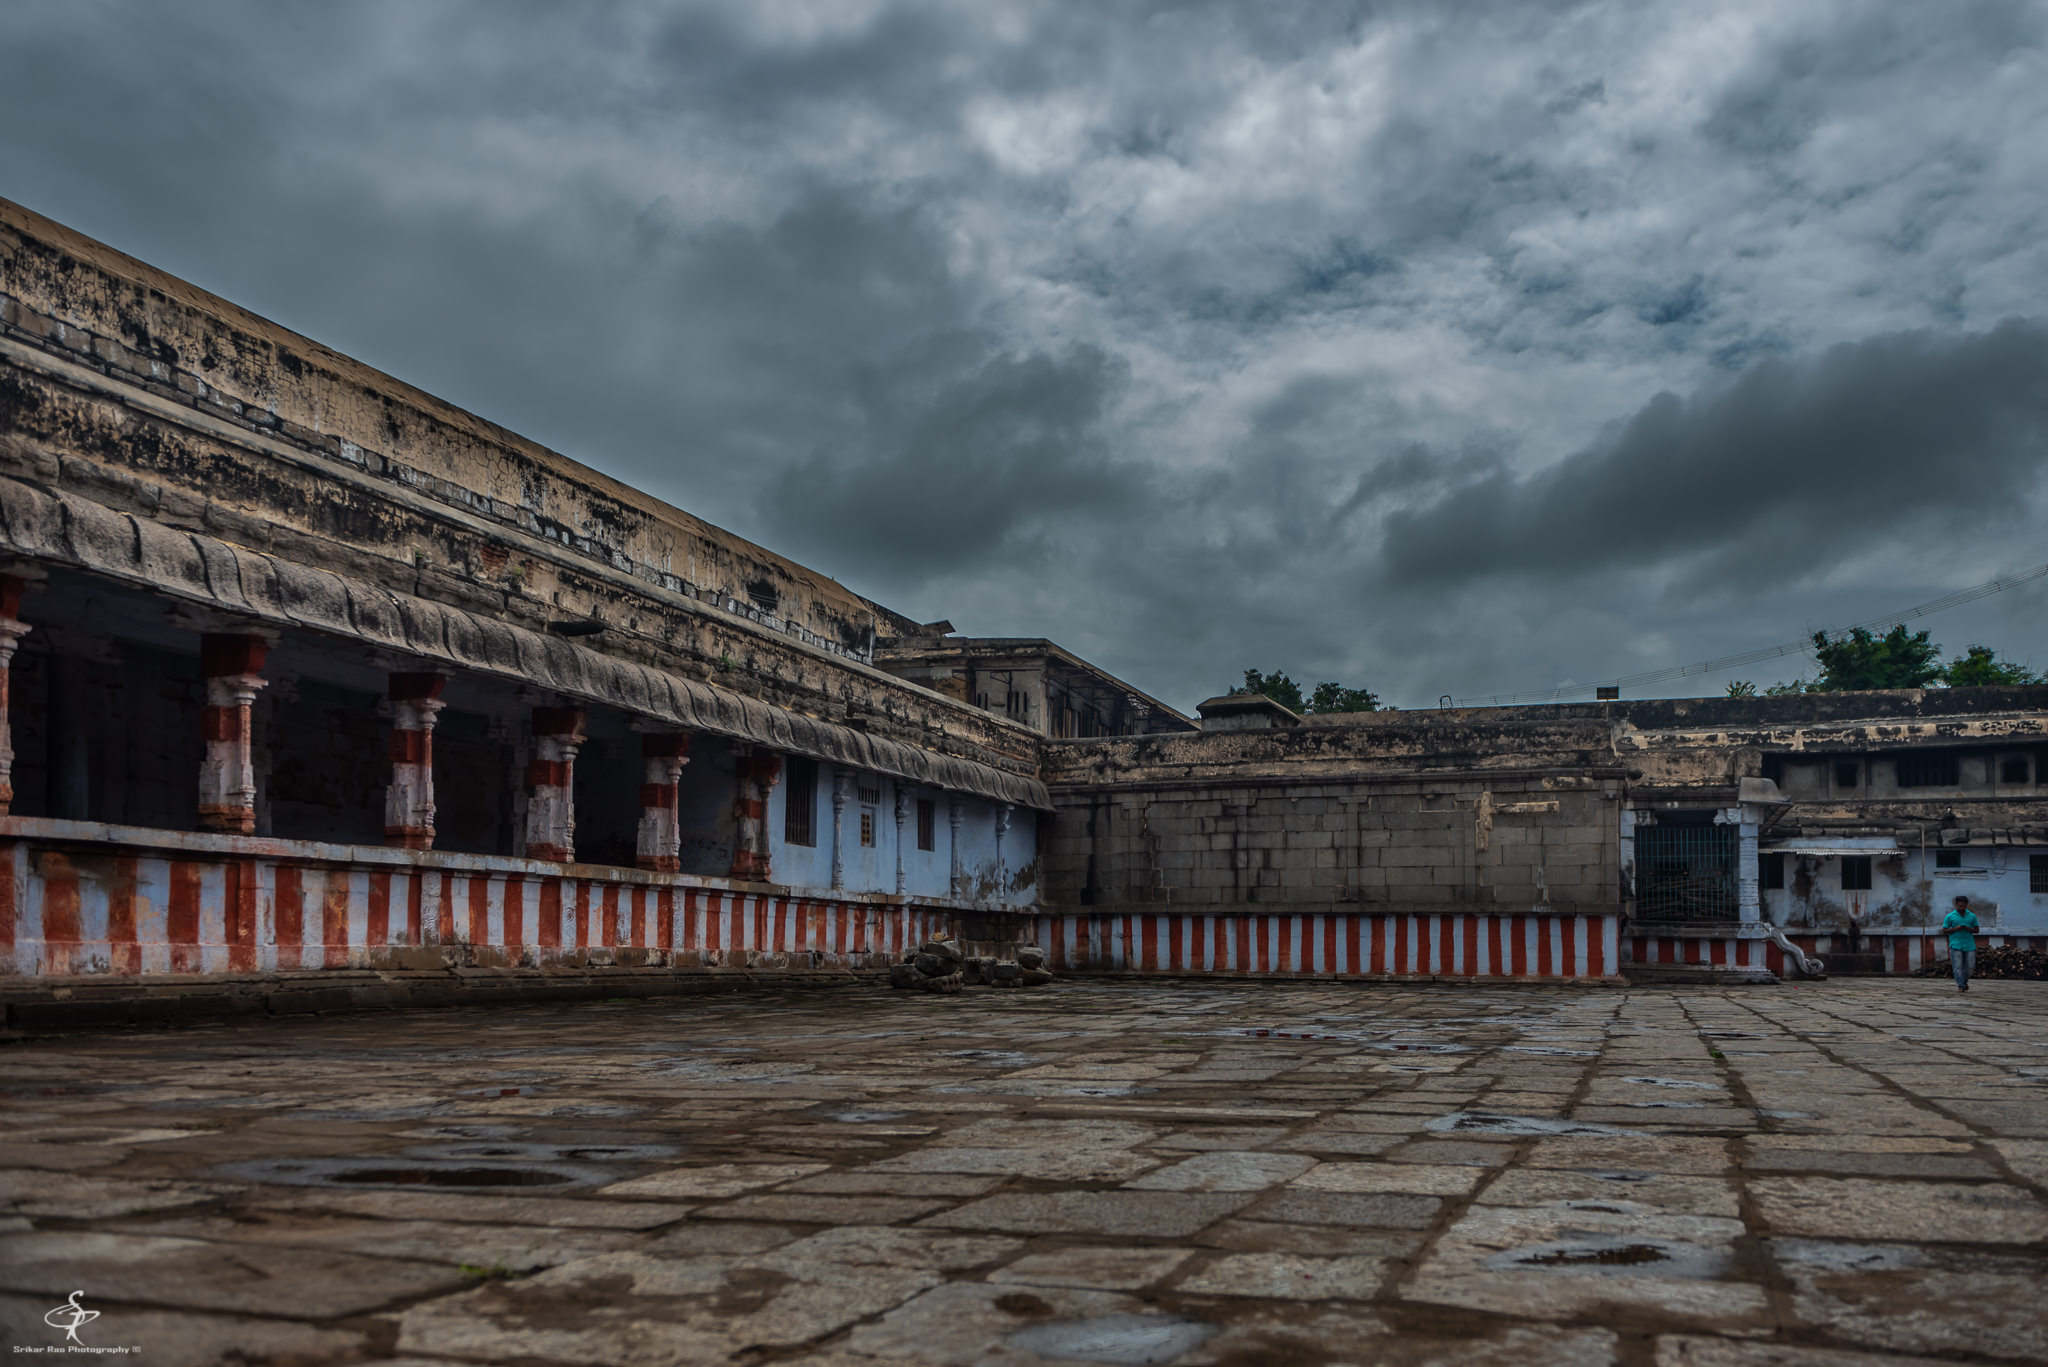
{"points": [[1442, 348]]}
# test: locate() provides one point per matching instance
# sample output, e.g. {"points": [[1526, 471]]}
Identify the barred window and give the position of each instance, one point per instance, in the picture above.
{"points": [[1855, 873], [799, 801], [869, 790], [2037, 873], [2015, 769], [927, 824], [867, 827], [1948, 859], [1930, 769]]}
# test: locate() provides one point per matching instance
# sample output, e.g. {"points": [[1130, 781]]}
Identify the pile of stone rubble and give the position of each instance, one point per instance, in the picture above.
{"points": [[2000, 961], [940, 966]]}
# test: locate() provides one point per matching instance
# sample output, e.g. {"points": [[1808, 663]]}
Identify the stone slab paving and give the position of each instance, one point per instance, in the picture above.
{"points": [[1844, 1174]]}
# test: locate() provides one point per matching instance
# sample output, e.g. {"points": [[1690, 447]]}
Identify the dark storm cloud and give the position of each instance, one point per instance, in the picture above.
{"points": [[1195, 335], [961, 465], [1910, 437]]}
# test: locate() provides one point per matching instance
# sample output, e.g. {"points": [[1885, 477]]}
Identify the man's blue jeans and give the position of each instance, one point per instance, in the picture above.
{"points": [[1962, 962]]}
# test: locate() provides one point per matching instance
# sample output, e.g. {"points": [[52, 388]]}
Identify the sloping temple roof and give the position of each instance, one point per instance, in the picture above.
{"points": [[64, 529]]}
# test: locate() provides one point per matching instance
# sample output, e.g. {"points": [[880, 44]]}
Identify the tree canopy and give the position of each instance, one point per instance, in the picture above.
{"points": [[1897, 659], [1860, 660], [1335, 697], [1326, 697], [1981, 668]]}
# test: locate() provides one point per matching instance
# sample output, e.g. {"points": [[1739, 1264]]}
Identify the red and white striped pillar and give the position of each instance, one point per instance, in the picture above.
{"points": [[233, 666], [757, 775], [550, 782], [12, 629], [409, 800], [659, 842]]}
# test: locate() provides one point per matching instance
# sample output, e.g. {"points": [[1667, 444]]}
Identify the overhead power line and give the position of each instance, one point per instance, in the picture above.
{"points": [[1750, 657]]}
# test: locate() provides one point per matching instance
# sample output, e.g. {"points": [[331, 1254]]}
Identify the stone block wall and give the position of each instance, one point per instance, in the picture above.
{"points": [[1414, 845]]}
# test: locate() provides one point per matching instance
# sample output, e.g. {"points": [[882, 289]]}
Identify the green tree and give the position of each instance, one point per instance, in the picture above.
{"points": [[1327, 697], [1335, 697], [1276, 686], [1741, 688], [1859, 660], [1787, 690], [1980, 667]]}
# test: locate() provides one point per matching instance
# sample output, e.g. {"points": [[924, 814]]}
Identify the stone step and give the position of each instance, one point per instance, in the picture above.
{"points": [[1720, 975], [1846, 965]]}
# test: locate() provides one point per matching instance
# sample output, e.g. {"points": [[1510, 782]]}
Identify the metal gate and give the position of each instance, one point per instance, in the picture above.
{"points": [[1686, 873]]}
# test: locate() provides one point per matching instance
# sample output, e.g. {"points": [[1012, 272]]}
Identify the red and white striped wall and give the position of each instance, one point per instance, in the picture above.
{"points": [[1337, 944], [71, 910], [1903, 953]]}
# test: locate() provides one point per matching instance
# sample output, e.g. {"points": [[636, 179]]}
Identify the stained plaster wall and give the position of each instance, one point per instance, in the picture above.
{"points": [[927, 873], [1908, 891]]}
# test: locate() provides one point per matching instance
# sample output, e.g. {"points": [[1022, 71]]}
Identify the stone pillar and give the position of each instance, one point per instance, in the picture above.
{"points": [[757, 776], [233, 666], [902, 810], [1002, 829], [840, 782], [12, 629], [1749, 897], [659, 843], [551, 784], [956, 812], [409, 799]]}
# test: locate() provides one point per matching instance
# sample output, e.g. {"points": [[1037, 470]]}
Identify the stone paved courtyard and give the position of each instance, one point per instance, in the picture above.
{"points": [[1845, 1173]]}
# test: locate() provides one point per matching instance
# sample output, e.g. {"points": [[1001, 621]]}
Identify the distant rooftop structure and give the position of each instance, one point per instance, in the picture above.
{"points": [[1244, 712], [1027, 679]]}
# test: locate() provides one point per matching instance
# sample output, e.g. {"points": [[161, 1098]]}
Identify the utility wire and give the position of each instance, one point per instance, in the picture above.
{"points": [[1747, 657]]}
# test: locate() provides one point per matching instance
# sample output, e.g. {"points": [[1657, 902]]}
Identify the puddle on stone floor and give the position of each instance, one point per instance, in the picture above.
{"points": [[549, 1153], [1551, 1051], [1480, 1122], [1665, 1105], [865, 1117], [1613, 1255], [408, 1173], [1675, 1082], [1408, 1047], [1114, 1339]]}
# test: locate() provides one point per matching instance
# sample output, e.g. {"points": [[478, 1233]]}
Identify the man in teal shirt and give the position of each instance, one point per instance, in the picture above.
{"points": [[1961, 925]]}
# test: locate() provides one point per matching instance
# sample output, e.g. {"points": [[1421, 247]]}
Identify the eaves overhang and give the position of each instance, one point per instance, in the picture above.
{"points": [[61, 529]]}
